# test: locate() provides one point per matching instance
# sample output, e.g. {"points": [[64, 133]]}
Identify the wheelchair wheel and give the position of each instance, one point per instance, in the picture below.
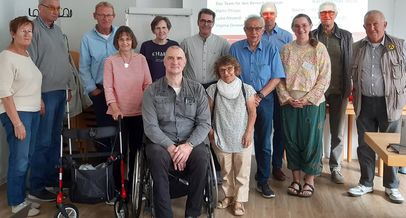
{"points": [[211, 191], [121, 209], [70, 210], [149, 189], [137, 186], [213, 181]]}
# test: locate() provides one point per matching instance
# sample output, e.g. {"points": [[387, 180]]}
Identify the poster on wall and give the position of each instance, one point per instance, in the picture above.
{"points": [[230, 15]]}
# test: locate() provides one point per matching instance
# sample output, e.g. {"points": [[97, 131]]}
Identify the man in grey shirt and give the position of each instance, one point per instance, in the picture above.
{"points": [[49, 52], [176, 119], [203, 49], [379, 75]]}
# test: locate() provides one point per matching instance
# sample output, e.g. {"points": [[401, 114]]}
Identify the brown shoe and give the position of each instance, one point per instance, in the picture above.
{"points": [[278, 174]]}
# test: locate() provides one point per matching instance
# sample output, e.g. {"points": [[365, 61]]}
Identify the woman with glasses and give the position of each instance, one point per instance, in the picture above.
{"points": [[307, 68], [126, 76], [20, 94], [233, 109], [154, 50]]}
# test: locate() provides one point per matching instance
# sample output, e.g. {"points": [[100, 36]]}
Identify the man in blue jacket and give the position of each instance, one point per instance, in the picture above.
{"points": [[95, 47]]}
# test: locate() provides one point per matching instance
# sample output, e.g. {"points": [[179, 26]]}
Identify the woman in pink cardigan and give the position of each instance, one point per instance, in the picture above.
{"points": [[126, 76]]}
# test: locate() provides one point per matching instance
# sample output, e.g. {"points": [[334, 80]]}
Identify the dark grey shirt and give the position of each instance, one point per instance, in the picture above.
{"points": [[171, 118], [372, 83], [332, 44]]}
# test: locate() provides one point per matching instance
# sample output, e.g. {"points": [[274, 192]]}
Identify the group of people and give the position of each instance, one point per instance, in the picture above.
{"points": [[179, 95]]}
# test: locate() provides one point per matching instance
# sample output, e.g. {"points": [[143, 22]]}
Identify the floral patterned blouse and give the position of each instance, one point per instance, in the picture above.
{"points": [[308, 72]]}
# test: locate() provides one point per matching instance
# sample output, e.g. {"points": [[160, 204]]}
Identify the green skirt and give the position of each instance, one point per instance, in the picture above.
{"points": [[303, 131]]}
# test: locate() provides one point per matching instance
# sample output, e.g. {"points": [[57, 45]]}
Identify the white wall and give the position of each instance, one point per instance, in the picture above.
{"points": [[158, 3], [399, 15]]}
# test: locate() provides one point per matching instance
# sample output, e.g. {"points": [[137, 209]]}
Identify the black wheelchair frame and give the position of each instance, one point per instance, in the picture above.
{"points": [[142, 187]]}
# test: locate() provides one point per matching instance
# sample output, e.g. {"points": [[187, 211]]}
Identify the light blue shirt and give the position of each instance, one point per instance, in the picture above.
{"points": [[94, 49], [278, 37], [260, 66]]}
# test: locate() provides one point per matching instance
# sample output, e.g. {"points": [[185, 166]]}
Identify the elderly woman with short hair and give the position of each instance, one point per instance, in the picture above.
{"points": [[233, 110], [20, 94], [126, 76]]}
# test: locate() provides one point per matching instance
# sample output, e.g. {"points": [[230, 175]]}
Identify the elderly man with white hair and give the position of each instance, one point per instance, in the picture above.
{"points": [[339, 46], [278, 37], [379, 75]]}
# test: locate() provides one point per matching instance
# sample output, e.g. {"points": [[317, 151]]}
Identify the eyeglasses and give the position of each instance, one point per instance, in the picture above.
{"points": [[25, 32], [226, 69], [208, 22], [252, 29], [51, 8], [327, 13], [105, 15]]}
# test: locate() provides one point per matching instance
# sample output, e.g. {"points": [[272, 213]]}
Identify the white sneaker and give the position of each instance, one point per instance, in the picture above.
{"points": [[394, 195], [34, 204], [18, 208], [359, 190]]}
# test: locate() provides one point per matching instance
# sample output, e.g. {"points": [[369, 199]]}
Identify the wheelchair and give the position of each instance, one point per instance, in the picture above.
{"points": [[142, 186]]}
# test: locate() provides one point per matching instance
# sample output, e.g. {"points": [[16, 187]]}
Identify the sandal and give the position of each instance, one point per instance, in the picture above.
{"points": [[239, 209], [292, 190], [306, 193], [226, 202]]}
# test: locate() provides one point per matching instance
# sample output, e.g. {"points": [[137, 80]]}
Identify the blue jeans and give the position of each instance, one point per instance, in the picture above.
{"points": [[262, 138], [20, 154], [46, 153]]}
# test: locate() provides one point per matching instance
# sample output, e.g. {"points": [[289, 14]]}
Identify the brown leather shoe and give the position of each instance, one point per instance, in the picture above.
{"points": [[278, 174]]}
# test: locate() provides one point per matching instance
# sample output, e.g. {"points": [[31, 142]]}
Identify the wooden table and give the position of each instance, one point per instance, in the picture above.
{"points": [[351, 114], [379, 142]]}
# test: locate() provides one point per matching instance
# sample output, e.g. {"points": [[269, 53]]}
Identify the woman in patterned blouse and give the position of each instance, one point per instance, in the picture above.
{"points": [[307, 68]]}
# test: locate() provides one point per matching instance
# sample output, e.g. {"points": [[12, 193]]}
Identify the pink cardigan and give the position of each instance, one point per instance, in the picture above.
{"points": [[126, 86]]}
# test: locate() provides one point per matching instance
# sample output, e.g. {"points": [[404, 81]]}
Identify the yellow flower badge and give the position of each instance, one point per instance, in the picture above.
{"points": [[391, 46]]}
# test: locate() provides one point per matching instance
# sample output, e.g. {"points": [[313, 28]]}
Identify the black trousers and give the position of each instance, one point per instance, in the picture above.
{"points": [[373, 118], [160, 164], [102, 119], [132, 133]]}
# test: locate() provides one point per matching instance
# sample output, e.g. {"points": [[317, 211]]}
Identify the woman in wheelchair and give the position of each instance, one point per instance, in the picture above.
{"points": [[233, 117]]}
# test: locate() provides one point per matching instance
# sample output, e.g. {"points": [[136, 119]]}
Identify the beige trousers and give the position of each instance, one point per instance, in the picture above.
{"points": [[235, 170]]}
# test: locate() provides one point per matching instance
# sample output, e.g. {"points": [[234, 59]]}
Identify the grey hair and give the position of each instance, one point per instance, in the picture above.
{"points": [[373, 12], [254, 17], [331, 4], [104, 4], [42, 1]]}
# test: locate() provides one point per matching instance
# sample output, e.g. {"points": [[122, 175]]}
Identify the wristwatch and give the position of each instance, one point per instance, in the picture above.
{"points": [[260, 95]]}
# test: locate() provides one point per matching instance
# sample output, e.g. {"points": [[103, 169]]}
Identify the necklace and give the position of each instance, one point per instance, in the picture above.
{"points": [[126, 64]]}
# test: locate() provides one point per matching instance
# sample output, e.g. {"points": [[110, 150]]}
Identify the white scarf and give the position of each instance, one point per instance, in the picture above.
{"points": [[229, 90]]}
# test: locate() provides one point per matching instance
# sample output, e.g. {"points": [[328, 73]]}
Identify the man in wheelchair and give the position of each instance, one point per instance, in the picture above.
{"points": [[176, 121]]}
